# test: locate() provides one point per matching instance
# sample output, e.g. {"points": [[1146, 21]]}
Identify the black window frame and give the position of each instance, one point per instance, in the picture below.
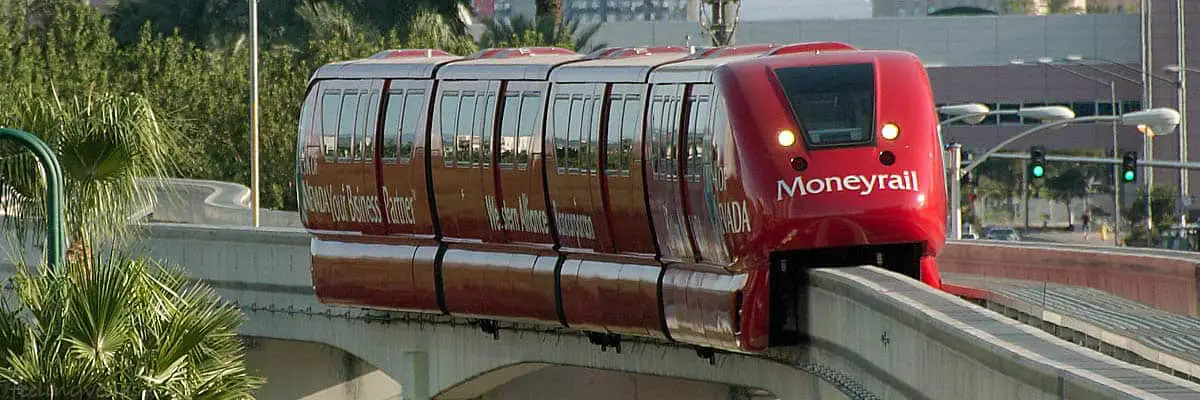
{"points": [[798, 117]]}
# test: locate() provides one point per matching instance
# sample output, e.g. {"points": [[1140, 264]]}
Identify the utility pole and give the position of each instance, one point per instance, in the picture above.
{"points": [[1025, 194], [254, 108], [1181, 92], [1116, 151], [955, 191], [723, 22], [1148, 101]]}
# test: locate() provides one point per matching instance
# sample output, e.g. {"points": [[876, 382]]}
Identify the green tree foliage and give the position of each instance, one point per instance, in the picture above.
{"points": [[122, 328], [189, 60], [1062, 7], [1000, 183], [551, 10], [1164, 212], [1017, 7], [1066, 182]]}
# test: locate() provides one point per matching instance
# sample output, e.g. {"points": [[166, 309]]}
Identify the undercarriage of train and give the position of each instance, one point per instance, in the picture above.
{"points": [[790, 317]]}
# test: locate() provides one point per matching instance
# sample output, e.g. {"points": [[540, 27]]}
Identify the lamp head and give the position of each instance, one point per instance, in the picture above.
{"points": [[978, 112], [1157, 121], [1047, 113]]}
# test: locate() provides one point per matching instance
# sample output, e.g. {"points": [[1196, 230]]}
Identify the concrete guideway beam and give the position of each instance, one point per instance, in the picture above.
{"points": [[267, 272], [458, 362], [940, 346]]}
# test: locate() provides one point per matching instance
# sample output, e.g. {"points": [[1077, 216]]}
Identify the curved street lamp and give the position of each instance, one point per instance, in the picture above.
{"points": [[1161, 120], [974, 113], [1158, 120]]}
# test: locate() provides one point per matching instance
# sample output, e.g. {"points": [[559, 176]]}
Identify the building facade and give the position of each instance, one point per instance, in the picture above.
{"points": [[918, 8], [995, 60]]}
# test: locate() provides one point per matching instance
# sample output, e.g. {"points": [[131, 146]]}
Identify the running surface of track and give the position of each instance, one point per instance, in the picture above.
{"points": [[994, 344], [1160, 338]]}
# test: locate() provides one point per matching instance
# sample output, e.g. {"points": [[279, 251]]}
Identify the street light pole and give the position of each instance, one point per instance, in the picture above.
{"points": [[254, 108], [956, 190], [1181, 92], [1116, 170]]}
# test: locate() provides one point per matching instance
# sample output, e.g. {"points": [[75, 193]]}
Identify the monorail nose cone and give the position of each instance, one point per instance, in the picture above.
{"points": [[839, 232]]}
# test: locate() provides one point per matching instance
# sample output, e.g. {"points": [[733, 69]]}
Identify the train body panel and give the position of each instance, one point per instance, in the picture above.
{"points": [[634, 191]]}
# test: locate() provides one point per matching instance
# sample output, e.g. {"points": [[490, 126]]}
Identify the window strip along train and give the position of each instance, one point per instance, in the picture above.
{"points": [[654, 192]]}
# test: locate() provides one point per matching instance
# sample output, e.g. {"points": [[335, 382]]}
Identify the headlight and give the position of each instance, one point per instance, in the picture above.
{"points": [[889, 131], [786, 138]]}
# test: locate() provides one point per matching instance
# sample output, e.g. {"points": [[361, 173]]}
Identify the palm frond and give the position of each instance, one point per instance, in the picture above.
{"points": [[105, 143]]}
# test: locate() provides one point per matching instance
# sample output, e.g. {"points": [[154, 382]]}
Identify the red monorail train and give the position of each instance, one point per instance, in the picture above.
{"points": [[654, 192]]}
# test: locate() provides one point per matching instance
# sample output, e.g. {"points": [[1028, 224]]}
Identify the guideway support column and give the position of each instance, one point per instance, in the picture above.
{"points": [[414, 384]]}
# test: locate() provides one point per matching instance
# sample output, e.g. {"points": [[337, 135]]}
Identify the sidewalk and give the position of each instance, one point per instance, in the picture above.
{"points": [[1093, 239]]}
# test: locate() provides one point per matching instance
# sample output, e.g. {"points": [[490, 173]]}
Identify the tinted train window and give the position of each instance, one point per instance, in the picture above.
{"points": [[508, 129], [699, 136], [329, 117], [573, 133], [630, 130], [413, 105], [346, 125], [657, 147], [466, 121], [562, 118], [448, 120], [590, 136], [531, 111], [835, 105], [616, 111], [364, 147], [485, 133], [391, 125]]}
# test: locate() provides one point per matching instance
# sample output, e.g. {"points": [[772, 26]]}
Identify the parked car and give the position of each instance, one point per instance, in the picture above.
{"points": [[1002, 233]]}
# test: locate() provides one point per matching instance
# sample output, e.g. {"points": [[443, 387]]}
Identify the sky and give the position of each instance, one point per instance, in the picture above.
{"points": [[760, 10]]}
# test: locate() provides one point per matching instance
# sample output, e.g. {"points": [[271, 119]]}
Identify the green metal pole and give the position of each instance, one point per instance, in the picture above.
{"points": [[56, 232]]}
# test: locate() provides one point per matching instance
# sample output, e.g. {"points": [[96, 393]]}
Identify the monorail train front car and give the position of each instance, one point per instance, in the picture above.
{"points": [[839, 152]]}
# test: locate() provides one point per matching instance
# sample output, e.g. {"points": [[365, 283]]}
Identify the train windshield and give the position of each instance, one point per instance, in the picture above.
{"points": [[834, 104]]}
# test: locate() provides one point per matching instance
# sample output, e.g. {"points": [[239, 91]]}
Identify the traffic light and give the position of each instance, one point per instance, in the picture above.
{"points": [[1037, 161], [1129, 167]]}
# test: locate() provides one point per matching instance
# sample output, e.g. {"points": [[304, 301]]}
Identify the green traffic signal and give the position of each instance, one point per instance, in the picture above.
{"points": [[1037, 161], [1129, 166]]}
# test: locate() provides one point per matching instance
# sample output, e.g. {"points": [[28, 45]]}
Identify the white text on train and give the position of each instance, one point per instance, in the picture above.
{"points": [[516, 219], [344, 206], [734, 217], [576, 225], [399, 208], [863, 184]]}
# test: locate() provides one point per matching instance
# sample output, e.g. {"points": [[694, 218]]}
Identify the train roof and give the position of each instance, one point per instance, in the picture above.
{"points": [[701, 66], [389, 64], [619, 64], [527, 63]]}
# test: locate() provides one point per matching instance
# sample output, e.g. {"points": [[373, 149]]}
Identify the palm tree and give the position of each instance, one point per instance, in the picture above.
{"points": [[524, 32], [128, 329], [104, 143], [550, 9]]}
